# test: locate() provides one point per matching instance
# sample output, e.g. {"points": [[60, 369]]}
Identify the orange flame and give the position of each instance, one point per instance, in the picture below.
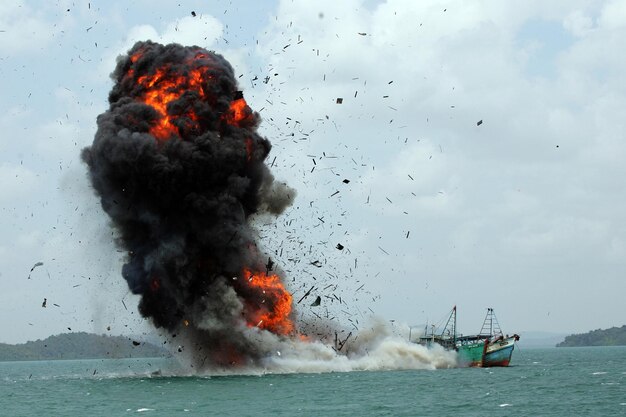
{"points": [[166, 86], [239, 112], [273, 313]]}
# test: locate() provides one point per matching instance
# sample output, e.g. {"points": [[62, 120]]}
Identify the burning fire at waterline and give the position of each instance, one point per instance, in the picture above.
{"points": [[179, 167]]}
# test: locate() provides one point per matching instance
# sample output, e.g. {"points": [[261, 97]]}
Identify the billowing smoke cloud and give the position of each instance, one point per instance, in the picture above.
{"points": [[179, 167]]}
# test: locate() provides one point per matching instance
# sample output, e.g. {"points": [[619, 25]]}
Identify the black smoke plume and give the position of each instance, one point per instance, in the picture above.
{"points": [[179, 167]]}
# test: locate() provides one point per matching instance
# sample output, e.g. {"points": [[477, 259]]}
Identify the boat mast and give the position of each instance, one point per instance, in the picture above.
{"points": [[451, 322], [491, 327], [454, 328]]}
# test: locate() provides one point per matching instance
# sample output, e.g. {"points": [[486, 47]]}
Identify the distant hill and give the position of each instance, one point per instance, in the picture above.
{"points": [[80, 346], [615, 336]]}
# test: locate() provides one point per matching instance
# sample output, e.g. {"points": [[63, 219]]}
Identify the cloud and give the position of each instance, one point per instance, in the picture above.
{"points": [[578, 23], [202, 30], [613, 15], [189, 30], [539, 180], [24, 28], [16, 182], [421, 179]]}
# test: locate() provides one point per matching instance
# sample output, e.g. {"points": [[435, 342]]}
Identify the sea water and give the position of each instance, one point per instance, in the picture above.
{"points": [[539, 382]]}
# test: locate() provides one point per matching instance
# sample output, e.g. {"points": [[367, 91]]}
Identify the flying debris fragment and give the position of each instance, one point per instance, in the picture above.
{"points": [[339, 100], [339, 344], [45, 302], [306, 294], [33, 268], [478, 123], [270, 265], [339, 246], [317, 301]]}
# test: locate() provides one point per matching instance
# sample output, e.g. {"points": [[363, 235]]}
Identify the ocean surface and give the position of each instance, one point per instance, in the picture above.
{"points": [[539, 382]]}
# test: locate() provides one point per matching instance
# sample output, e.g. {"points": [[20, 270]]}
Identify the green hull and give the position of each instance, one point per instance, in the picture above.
{"points": [[471, 354]]}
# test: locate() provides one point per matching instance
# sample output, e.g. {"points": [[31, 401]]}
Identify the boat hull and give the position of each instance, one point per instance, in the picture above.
{"points": [[471, 354], [499, 352]]}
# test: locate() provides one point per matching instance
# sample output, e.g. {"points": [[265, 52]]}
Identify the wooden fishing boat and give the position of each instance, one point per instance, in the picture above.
{"points": [[470, 349], [499, 347]]}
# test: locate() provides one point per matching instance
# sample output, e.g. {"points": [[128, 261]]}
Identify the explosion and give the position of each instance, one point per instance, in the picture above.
{"points": [[179, 167]]}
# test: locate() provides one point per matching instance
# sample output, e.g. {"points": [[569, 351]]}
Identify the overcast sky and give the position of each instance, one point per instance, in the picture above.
{"points": [[525, 213]]}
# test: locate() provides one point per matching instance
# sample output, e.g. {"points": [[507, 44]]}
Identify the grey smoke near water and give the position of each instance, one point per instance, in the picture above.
{"points": [[378, 347], [179, 167]]}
